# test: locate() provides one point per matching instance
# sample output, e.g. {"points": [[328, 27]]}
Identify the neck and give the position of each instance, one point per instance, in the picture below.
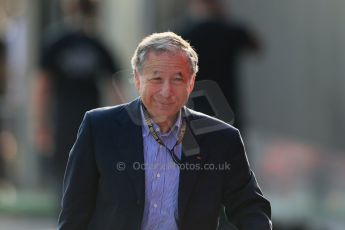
{"points": [[164, 123]]}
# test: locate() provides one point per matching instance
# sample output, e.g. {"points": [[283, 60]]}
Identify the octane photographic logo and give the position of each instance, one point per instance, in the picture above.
{"points": [[214, 101], [206, 95]]}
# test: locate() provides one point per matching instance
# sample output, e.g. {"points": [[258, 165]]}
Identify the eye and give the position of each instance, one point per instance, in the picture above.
{"points": [[155, 79], [178, 79]]}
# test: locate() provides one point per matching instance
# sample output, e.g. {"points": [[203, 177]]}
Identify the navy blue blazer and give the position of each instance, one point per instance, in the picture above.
{"points": [[98, 195]]}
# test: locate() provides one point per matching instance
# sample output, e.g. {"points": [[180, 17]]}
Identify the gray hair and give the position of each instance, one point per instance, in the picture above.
{"points": [[163, 42]]}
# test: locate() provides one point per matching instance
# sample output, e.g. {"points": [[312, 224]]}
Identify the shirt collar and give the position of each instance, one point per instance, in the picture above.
{"points": [[174, 130]]}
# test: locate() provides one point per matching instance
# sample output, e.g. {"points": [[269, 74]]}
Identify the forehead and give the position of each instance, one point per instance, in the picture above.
{"points": [[167, 61]]}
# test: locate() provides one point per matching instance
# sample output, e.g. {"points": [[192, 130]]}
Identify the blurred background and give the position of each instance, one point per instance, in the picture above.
{"points": [[280, 64]]}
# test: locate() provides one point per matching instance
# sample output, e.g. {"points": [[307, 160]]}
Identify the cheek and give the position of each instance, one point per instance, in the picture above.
{"points": [[137, 81], [191, 86], [148, 91], [154, 89]]}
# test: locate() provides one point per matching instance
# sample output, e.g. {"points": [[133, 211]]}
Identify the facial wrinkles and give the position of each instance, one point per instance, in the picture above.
{"points": [[167, 61], [165, 75]]}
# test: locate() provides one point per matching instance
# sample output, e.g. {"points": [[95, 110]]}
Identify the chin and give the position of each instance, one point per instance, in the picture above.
{"points": [[167, 108], [166, 112]]}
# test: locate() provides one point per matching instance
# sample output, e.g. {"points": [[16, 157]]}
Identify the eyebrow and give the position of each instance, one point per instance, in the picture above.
{"points": [[155, 72], [180, 74]]}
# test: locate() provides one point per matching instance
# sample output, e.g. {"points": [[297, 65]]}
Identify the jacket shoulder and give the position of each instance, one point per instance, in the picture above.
{"points": [[105, 112], [122, 114]]}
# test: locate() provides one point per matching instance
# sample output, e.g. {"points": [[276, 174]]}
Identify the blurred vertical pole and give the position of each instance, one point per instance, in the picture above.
{"points": [[165, 15], [123, 24], [338, 93], [151, 12], [28, 170]]}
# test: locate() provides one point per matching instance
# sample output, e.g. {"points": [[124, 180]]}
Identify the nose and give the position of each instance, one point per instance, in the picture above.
{"points": [[167, 88]]}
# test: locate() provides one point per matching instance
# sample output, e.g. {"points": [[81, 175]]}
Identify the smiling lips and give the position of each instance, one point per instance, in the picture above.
{"points": [[164, 103]]}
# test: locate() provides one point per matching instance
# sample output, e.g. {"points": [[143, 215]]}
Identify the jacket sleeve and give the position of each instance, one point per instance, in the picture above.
{"points": [[80, 181], [245, 206]]}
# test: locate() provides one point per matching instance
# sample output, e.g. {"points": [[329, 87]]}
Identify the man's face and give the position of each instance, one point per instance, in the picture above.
{"points": [[165, 83]]}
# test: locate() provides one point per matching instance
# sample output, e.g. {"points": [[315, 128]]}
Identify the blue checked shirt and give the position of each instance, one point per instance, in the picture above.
{"points": [[161, 178]]}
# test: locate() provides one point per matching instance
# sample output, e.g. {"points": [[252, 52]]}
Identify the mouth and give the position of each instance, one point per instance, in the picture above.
{"points": [[165, 103]]}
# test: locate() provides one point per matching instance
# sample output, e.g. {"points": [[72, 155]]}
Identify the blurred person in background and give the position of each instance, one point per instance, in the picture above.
{"points": [[73, 63], [219, 43]]}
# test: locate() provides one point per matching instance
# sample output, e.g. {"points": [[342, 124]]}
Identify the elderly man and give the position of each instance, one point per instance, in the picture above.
{"points": [[128, 168]]}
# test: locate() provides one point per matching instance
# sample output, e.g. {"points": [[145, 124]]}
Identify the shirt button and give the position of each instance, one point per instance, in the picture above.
{"points": [[158, 175], [155, 205]]}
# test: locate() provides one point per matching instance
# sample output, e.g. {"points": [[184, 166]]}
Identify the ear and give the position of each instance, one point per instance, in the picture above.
{"points": [[191, 84], [136, 79]]}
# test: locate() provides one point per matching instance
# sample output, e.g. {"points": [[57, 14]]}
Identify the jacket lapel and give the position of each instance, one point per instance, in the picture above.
{"points": [[188, 176], [131, 145]]}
